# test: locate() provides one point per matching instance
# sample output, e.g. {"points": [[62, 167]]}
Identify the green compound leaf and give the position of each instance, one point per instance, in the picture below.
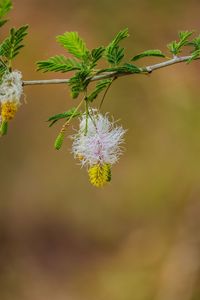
{"points": [[119, 37], [195, 43], [58, 63], [74, 44], [100, 86], [146, 53], [97, 54], [195, 55], [196, 52], [65, 115], [114, 53], [176, 47], [183, 36], [5, 7], [12, 45]]}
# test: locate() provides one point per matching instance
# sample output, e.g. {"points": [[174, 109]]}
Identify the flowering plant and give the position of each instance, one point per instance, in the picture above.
{"points": [[97, 143], [97, 146]]}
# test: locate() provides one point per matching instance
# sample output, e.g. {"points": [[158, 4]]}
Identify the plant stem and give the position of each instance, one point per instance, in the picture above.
{"points": [[148, 69]]}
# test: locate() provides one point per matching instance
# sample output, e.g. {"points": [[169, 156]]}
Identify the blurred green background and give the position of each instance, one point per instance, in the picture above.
{"points": [[137, 238]]}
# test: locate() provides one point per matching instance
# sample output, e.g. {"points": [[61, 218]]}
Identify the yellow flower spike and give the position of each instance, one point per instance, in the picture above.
{"points": [[8, 110], [99, 174]]}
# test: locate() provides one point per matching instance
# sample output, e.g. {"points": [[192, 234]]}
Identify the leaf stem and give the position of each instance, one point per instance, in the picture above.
{"points": [[72, 115], [105, 93]]}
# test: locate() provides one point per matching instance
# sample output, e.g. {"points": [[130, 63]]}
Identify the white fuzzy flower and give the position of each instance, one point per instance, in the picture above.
{"points": [[10, 93], [11, 87], [101, 143], [98, 146]]}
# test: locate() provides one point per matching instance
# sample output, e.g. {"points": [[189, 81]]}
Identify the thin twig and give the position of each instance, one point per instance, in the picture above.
{"points": [[105, 93], [148, 69]]}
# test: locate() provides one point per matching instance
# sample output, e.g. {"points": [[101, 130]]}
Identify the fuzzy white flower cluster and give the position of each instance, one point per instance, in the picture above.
{"points": [[100, 143], [11, 87]]}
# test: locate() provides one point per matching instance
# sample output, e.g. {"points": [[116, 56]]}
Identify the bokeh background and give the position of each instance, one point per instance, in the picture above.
{"points": [[139, 237]]}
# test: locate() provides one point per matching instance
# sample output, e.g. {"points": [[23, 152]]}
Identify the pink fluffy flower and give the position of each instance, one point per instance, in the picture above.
{"points": [[100, 143]]}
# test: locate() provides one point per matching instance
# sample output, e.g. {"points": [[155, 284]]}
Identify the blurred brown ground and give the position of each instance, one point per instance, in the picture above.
{"points": [[60, 238]]}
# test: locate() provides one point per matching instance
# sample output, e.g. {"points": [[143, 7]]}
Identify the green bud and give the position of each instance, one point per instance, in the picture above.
{"points": [[59, 141], [4, 128]]}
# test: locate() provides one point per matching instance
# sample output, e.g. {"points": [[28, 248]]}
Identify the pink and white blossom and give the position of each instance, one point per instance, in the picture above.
{"points": [[98, 142]]}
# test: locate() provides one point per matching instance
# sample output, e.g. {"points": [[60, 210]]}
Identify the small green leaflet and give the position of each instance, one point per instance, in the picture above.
{"points": [[125, 68], [114, 53], [12, 45], [119, 37], [3, 69], [146, 53], [175, 47], [66, 115], [130, 68], [100, 86], [58, 63], [74, 44], [5, 7]]}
